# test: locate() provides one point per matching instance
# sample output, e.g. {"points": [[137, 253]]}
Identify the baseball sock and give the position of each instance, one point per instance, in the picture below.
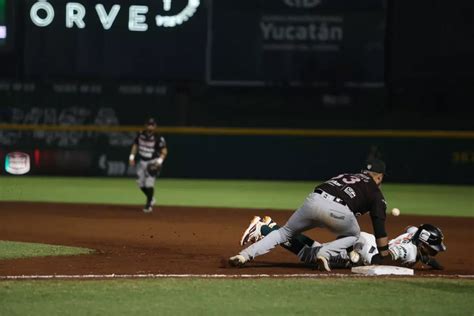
{"points": [[149, 194], [144, 190], [295, 245]]}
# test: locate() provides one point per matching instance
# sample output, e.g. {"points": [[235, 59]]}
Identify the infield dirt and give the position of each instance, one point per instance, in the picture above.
{"points": [[181, 240]]}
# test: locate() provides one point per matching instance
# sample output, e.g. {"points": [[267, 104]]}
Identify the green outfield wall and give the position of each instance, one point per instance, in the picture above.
{"points": [[417, 157]]}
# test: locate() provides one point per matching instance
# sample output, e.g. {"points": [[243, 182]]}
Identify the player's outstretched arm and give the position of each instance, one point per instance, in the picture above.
{"points": [[382, 246], [384, 257], [133, 152], [432, 262], [164, 153], [162, 150]]}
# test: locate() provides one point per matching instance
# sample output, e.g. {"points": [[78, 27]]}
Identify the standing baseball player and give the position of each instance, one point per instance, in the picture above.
{"points": [[335, 204], [150, 151]]}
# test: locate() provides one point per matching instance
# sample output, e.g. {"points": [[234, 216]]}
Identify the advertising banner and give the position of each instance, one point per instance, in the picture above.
{"points": [[142, 39], [298, 42]]}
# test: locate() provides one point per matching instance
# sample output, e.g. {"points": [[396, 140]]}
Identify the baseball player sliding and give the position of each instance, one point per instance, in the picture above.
{"points": [[416, 244], [335, 204], [150, 151]]}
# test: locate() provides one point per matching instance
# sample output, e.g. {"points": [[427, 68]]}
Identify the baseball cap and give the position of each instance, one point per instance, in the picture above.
{"points": [[375, 165], [150, 121]]}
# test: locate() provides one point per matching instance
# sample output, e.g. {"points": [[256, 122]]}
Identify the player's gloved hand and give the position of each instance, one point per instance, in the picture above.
{"points": [[131, 160], [153, 169], [384, 260]]}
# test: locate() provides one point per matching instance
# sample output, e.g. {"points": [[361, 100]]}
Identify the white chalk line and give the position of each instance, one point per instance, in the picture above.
{"points": [[214, 276]]}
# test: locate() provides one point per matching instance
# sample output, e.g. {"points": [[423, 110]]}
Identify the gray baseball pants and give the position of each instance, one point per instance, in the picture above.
{"points": [[144, 179], [316, 211]]}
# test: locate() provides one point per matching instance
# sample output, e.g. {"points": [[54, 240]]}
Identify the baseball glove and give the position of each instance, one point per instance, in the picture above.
{"points": [[153, 169]]}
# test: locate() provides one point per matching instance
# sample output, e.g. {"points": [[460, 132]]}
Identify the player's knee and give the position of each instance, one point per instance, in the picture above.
{"points": [[354, 236], [352, 233], [285, 233]]}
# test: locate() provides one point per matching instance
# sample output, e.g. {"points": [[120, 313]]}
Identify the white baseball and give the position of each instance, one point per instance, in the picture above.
{"points": [[395, 211], [354, 256]]}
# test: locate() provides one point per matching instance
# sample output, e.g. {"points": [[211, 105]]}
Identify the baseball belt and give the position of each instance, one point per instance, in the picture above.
{"points": [[330, 197]]}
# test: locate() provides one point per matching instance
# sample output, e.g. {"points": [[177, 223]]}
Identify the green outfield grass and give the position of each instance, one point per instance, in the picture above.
{"points": [[14, 249], [238, 297], [410, 199]]}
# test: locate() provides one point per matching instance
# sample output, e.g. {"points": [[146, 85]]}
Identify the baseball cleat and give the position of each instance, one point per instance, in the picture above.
{"points": [[323, 263], [148, 208], [340, 262], [252, 233], [237, 261], [267, 220]]}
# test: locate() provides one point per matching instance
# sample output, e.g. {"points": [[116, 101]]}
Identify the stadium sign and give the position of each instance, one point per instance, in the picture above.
{"points": [[42, 14], [17, 163]]}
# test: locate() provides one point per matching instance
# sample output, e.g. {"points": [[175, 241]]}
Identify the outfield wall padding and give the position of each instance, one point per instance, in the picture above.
{"points": [[417, 160]]}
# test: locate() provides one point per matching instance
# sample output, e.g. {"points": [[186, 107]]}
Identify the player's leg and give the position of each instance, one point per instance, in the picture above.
{"points": [[301, 220], [299, 244], [307, 249], [149, 183], [341, 221], [141, 169]]}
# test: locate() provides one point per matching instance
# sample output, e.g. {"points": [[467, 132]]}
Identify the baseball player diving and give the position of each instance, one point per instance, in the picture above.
{"points": [[416, 244], [148, 153], [334, 204]]}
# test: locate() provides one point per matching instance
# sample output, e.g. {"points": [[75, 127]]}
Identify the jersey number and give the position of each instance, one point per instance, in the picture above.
{"points": [[347, 179]]}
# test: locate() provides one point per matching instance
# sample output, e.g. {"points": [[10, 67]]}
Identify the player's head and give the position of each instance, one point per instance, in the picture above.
{"points": [[150, 125], [376, 169], [429, 239]]}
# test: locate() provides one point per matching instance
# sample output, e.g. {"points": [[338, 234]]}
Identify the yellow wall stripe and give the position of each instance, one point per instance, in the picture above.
{"points": [[251, 131]]}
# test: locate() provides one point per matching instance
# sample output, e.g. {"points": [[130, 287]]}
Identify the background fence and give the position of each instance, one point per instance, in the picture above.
{"points": [[412, 156]]}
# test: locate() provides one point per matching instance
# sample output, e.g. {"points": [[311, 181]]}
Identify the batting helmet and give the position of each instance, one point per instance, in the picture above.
{"points": [[431, 236]]}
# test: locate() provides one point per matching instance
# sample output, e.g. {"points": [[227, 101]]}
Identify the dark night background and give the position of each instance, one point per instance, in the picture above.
{"points": [[371, 64]]}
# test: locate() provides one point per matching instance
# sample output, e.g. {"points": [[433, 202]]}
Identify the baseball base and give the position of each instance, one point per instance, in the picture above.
{"points": [[382, 270]]}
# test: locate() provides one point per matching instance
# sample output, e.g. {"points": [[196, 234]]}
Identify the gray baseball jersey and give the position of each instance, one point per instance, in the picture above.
{"points": [[149, 148]]}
